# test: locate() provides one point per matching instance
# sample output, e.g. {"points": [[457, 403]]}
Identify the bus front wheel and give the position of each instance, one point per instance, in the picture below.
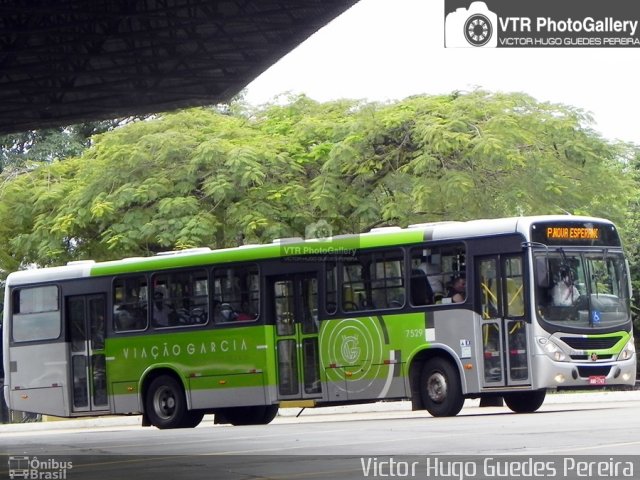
{"points": [[525, 402], [166, 406], [441, 390]]}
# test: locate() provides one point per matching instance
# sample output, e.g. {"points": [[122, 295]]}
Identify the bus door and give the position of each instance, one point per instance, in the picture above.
{"points": [[85, 316], [504, 331], [295, 307]]}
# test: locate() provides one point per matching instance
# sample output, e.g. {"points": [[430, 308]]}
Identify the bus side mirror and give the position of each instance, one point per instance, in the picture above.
{"points": [[542, 272]]}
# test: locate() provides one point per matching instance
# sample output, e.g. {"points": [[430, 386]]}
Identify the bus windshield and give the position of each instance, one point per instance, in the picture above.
{"points": [[587, 290]]}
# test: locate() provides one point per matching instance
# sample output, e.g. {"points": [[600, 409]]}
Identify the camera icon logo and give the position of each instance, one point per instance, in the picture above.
{"points": [[474, 27], [320, 230]]}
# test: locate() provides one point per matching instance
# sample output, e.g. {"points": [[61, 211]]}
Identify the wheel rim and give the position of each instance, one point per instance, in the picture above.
{"points": [[437, 387], [164, 403]]}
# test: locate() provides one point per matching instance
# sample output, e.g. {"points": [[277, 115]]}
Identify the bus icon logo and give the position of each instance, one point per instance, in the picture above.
{"points": [[18, 467]]}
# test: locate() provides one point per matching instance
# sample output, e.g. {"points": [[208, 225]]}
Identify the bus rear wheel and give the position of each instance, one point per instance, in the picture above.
{"points": [[525, 402], [440, 388], [259, 415], [166, 406]]}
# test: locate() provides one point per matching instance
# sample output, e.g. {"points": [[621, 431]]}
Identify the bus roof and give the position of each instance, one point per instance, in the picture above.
{"points": [[497, 226], [380, 237]]}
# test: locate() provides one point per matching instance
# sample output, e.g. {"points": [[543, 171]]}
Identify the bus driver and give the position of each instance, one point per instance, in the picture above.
{"points": [[564, 292]]}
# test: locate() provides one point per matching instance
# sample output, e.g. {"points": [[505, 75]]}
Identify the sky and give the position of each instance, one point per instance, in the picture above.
{"points": [[384, 50]]}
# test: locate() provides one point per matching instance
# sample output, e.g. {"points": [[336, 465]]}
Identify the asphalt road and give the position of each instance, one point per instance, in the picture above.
{"points": [[600, 430]]}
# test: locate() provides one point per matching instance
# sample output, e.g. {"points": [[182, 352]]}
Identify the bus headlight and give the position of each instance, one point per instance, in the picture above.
{"points": [[628, 351], [552, 350]]}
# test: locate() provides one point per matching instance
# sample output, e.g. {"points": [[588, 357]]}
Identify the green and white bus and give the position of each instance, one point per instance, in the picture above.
{"points": [[241, 332]]}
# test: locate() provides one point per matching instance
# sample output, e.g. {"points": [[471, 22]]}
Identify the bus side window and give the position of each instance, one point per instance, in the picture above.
{"points": [[514, 287], [373, 281], [236, 294], [130, 304], [431, 267], [36, 313], [180, 298], [388, 289]]}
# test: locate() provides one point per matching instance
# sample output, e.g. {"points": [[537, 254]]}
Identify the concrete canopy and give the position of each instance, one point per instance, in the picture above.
{"points": [[70, 61]]}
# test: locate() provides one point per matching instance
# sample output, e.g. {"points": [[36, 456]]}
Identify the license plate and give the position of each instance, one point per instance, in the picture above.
{"points": [[597, 380]]}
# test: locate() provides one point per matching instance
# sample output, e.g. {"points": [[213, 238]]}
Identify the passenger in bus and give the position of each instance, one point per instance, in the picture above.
{"points": [[421, 291], [227, 313], [434, 276], [564, 293], [244, 316], [246, 312], [123, 319], [458, 290], [161, 314]]}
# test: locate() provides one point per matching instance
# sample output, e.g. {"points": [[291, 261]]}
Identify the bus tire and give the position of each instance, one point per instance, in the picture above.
{"points": [[192, 419], [165, 404], [440, 388], [258, 415], [525, 402]]}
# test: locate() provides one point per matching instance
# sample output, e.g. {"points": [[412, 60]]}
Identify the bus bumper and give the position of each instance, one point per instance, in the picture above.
{"points": [[584, 374]]}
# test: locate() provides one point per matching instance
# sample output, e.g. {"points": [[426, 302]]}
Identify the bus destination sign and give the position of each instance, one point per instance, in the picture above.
{"points": [[575, 233]]}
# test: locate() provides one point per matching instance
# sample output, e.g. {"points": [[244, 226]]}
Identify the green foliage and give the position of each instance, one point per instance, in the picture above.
{"points": [[202, 177], [22, 150]]}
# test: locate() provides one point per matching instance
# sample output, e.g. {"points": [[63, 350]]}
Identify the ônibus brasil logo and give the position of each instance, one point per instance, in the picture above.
{"points": [[33, 468]]}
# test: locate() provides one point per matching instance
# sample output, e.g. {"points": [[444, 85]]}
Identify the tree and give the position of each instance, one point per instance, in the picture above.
{"points": [[43, 146], [206, 177], [631, 231], [476, 155]]}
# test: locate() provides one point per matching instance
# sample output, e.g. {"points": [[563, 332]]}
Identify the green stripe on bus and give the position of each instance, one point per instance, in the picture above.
{"points": [[338, 246]]}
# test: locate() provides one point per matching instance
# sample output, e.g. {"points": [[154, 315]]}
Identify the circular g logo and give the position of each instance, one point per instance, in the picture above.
{"points": [[478, 30], [350, 348]]}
